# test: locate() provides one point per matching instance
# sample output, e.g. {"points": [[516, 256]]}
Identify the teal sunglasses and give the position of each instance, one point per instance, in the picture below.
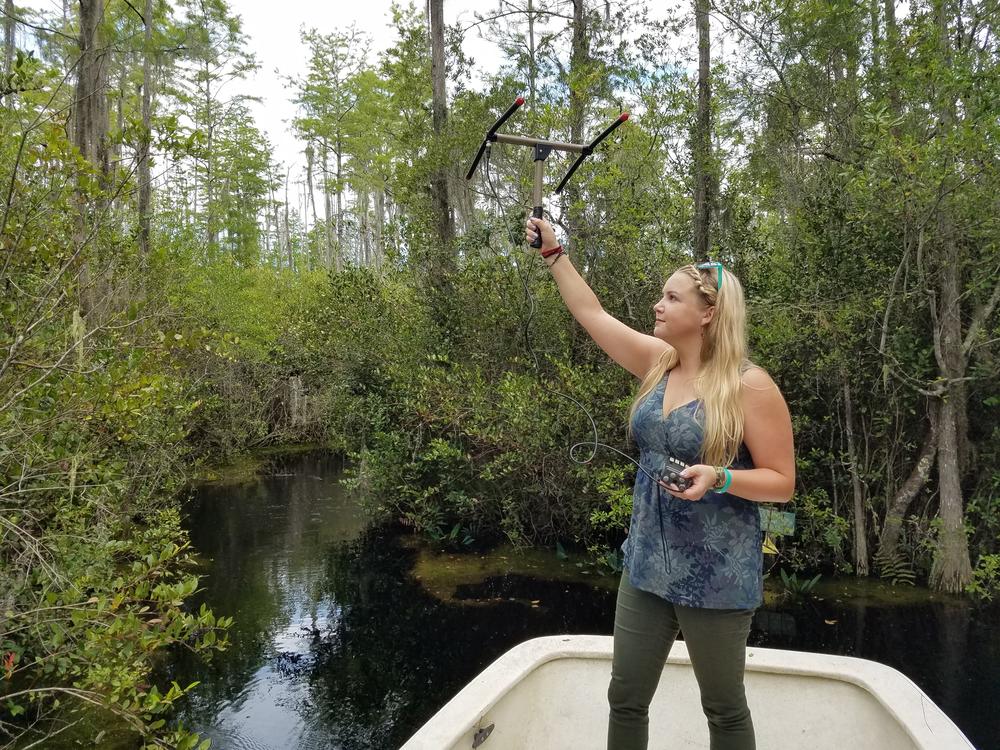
{"points": [[717, 266]]}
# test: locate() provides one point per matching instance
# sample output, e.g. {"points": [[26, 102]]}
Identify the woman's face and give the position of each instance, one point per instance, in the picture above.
{"points": [[681, 311]]}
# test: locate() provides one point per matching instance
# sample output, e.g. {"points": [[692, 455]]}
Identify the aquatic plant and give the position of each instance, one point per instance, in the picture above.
{"points": [[796, 588]]}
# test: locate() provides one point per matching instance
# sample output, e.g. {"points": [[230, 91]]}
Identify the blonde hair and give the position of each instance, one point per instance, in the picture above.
{"points": [[724, 360]]}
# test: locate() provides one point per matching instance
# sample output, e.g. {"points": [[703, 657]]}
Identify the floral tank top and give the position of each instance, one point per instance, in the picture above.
{"points": [[705, 553]]}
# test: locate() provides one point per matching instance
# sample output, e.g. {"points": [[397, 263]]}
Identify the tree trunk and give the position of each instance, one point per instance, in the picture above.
{"points": [[8, 36], [702, 138], [310, 155], [532, 64], [873, 11], [268, 210], [579, 56], [892, 54], [288, 229], [90, 135], [366, 245], [90, 114], [896, 512], [210, 228], [277, 228], [578, 99], [439, 102], [860, 546], [117, 143], [952, 569], [144, 143], [339, 250], [327, 209], [379, 225]]}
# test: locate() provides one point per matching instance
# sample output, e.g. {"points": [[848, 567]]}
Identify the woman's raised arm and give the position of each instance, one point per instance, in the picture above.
{"points": [[636, 352]]}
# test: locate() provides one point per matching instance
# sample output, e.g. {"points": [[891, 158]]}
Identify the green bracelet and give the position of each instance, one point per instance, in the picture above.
{"points": [[729, 481]]}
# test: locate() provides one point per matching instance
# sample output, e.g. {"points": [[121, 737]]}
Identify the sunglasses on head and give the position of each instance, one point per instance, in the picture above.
{"points": [[712, 264]]}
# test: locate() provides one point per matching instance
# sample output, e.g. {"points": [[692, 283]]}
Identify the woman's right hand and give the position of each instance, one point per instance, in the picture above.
{"points": [[534, 226]]}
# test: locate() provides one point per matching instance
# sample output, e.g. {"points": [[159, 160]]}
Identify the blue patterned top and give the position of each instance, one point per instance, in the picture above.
{"points": [[704, 553]]}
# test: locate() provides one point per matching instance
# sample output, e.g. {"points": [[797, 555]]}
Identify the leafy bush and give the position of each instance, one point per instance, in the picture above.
{"points": [[985, 578], [820, 534]]}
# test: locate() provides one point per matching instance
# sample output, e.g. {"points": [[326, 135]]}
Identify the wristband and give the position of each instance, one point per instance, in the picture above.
{"points": [[551, 251], [729, 481]]}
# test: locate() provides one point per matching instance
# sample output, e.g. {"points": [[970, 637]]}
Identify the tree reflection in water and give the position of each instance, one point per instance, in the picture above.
{"points": [[338, 645]]}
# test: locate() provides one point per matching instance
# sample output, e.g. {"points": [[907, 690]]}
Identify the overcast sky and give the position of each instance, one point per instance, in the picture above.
{"points": [[273, 31]]}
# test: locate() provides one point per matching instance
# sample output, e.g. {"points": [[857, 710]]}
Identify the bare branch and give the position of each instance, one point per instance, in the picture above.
{"points": [[979, 319], [520, 12], [46, 29]]}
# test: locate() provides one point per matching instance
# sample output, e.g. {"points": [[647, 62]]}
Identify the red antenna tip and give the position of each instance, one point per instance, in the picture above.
{"points": [[624, 116], [519, 101]]}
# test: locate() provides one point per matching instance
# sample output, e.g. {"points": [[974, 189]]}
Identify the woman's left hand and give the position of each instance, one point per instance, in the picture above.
{"points": [[702, 478]]}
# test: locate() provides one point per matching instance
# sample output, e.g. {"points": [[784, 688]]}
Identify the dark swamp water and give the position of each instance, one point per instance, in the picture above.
{"points": [[350, 637]]}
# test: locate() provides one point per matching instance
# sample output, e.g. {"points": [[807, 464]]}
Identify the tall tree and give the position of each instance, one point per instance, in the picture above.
{"points": [[216, 50], [8, 36], [952, 569], [90, 136], [326, 98], [439, 106], [579, 100], [90, 107], [143, 172], [701, 151], [860, 545]]}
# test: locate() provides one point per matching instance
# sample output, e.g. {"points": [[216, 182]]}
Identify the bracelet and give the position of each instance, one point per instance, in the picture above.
{"points": [[720, 477], [558, 256], [551, 251], [729, 481]]}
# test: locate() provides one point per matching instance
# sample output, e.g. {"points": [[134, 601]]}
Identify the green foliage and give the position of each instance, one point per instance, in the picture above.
{"points": [[614, 489], [820, 534], [614, 560], [985, 582], [796, 589], [440, 442], [456, 539], [95, 564], [94, 417]]}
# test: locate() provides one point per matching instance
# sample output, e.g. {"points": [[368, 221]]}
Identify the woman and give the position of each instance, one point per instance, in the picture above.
{"points": [[692, 559]]}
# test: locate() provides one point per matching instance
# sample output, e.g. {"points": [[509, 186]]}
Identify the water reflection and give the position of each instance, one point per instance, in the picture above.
{"points": [[337, 644], [399, 653], [265, 544]]}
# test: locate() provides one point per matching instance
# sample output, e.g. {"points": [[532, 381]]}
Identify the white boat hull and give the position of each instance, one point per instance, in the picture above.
{"points": [[551, 694]]}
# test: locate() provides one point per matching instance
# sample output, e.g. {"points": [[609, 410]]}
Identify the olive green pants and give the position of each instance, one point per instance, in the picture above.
{"points": [[645, 628]]}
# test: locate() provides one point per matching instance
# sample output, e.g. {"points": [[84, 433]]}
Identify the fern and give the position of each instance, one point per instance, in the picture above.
{"points": [[895, 568]]}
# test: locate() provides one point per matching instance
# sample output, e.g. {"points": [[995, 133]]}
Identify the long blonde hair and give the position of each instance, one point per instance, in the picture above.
{"points": [[724, 360]]}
